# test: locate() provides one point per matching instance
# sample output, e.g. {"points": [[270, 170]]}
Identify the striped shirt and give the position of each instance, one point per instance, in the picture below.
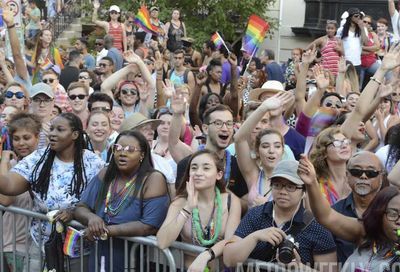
{"points": [[330, 57], [116, 33]]}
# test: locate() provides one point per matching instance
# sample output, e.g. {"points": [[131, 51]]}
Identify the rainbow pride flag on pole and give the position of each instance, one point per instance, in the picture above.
{"points": [[142, 20], [217, 40], [255, 33], [71, 241]]}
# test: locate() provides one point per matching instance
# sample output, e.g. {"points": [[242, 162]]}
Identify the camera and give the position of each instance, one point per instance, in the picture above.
{"points": [[286, 250]]}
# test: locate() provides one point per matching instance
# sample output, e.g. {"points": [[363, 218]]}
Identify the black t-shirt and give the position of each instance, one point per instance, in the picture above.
{"points": [[237, 184], [68, 75]]}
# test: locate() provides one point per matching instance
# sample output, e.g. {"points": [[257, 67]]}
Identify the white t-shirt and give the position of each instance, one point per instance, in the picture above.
{"points": [[352, 46]]}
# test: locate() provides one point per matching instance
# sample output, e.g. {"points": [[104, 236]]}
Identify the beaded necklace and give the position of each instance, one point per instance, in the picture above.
{"points": [[116, 201], [213, 233]]}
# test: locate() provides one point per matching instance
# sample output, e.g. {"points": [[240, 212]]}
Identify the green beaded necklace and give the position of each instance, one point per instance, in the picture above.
{"points": [[197, 225]]}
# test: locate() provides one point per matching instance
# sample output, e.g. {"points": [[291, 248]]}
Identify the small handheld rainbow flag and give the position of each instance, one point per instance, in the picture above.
{"points": [[46, 65], [255, 33], [71, 240], [217, 40], [142, 20]]}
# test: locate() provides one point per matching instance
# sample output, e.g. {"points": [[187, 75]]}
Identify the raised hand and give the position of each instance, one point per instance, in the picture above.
{"points": [[342, 66], [193, 194], [306, 171], [96, 4], [201, 78], [144, 93], [131, 57], [8, 17], [320, 77], [385, 90], [178, 103], [168, 88], [392, 58], [277, 101], [232, 59], [310, 55]]}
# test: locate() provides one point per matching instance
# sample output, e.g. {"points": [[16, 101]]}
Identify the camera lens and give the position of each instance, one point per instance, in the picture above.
{"points": [[286, 254]]}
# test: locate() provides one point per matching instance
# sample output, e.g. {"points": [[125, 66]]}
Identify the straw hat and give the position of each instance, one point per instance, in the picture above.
{"points": [[271, 87], [137, 119]]}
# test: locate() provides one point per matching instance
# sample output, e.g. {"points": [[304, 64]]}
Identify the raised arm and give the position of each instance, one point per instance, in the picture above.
{"points": [[20, 65], [233, 100], [390, 61], [176, 147], [313, 102], [344, 227], [109, 83], [8, 76], [103, 24], [342, 69], [132, 58], [392, 7], [194, 100], [372, 48], [124, 38]]}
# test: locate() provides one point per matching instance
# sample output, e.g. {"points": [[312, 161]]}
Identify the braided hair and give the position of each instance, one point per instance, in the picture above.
{"points": [[41, 177]]}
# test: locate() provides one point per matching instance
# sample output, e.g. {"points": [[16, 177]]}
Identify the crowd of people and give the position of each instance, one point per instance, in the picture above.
{"points": [[295, 164]]}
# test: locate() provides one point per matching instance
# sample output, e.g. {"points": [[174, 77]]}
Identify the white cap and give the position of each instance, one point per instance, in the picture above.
{"points": [[114, 8]]}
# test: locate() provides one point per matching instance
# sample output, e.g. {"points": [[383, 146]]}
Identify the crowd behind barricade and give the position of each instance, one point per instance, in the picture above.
{"points": [[295, 164]]}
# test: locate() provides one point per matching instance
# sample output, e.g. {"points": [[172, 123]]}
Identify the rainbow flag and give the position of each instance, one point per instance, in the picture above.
{"points": [[217, 40], [71, 240], [255, 33], [142, 20], [46, 65]]}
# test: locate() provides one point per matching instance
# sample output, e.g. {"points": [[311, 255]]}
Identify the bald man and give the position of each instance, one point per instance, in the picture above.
{"points": [[365, 175]]}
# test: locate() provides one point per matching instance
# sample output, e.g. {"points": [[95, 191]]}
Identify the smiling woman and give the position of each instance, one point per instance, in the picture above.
{"points": [[98, 130]]}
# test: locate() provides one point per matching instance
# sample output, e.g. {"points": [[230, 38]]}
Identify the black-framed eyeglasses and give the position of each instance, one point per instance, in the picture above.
{"points": [[105, 109], [99, 44], [84, 77], [329, 104], [79, 96], [220, 123], [103, 64], [40, 101], [392, 215], [289, 187], [18, 95], [48, 80], [129, 91], [339, 143], [129, 149], [359, 172]]}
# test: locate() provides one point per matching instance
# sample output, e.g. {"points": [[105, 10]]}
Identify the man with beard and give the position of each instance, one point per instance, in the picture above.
{"points": [[365, 177], [193, 57]]}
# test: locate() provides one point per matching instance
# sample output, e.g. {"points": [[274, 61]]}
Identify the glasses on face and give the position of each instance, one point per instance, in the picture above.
{"points": [[48, 80], [359, 172], [79, 96], [395, 94], [40, 101], [392, 215], [131, 22], [99, 44], [128, 148], [103, 64], [329, 104], [114, 12], [101, 109], [366, 22], [129, 91], [84, 77], [18, 95], [289, 187], [340, 143], [356, 15], [220, 123]]}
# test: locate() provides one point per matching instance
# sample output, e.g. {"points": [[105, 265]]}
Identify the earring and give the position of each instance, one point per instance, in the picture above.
{"points": [[141, 159]]}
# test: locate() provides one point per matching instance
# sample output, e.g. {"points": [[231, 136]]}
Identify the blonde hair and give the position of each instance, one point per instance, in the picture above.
{"points": [[318, 155]]}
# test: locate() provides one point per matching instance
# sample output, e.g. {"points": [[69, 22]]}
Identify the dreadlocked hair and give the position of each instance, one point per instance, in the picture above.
{"points": [[41, 175]]}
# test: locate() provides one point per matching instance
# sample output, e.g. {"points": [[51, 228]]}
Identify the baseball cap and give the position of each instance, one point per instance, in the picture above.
{"points": [[287, 169], [41, 88], [154, 8], [114, 8]]}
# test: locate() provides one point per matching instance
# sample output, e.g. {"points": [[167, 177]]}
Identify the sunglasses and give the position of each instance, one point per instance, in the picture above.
{"points": [[366, 22], [114, 12], [128, 148], [83, 77], [48, 80], [359, 172], [101, 109], [131, 22], [129, 91], [79, 96], [18, 95], [340, 143], [395, 94], [98, 44], [330, 104]]}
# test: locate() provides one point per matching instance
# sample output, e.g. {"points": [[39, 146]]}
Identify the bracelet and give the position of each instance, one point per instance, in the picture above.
{"points": [[184, 215], [186, 211], [212, 253], [11, 26], [374, 79]]}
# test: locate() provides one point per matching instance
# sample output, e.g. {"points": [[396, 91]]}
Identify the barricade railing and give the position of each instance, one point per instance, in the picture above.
{"points": [[151, 258]]}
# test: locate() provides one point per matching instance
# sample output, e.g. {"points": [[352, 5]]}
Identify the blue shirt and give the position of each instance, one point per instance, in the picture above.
{"points": [[147, 211], [116, 56], [314, 239], [295, 141], [274, 72], [89, 62], [347, 208]]}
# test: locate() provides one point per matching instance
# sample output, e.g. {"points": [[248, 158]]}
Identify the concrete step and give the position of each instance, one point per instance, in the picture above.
{"points": [[74, 30]]}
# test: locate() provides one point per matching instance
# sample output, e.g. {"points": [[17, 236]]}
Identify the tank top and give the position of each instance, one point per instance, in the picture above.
{"points": [[330, 57], [258, 189], [370, 58], [174, 37], [116, 33], [178, 80]]}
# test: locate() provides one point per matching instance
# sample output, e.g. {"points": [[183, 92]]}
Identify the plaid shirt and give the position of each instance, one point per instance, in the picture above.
{"points": [[61, 99]]}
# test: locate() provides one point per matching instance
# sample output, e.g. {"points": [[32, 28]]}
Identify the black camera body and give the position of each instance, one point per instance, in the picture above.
{"points": [[286, 250]]}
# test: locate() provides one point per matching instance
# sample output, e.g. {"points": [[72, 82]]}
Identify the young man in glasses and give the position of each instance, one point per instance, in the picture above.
{"points": [[50, 77], [265, 229], [78, 94], [87, 77], [365, 176], [105, 70]]}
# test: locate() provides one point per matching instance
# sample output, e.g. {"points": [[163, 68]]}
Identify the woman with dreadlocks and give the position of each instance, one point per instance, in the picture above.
{"points": [[56, 176]]}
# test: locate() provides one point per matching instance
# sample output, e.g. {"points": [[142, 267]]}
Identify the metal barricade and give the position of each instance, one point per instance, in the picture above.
{"points": [[63, 19]]}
